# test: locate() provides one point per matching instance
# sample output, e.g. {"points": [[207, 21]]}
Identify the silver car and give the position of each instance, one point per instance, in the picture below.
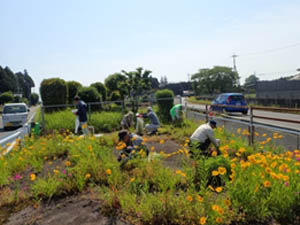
{"points": [[14, 115]]}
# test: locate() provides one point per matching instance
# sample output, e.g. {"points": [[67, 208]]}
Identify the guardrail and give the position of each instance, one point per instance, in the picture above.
{"points": [[251, 124], [19, 134]]}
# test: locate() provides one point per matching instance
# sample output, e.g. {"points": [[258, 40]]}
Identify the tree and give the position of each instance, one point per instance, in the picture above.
{"points": [[90, 95], [250, 83], [112, 82], [138, 82], [73, 90], [34, 99], [54, 91], [154, 82], [218, 79], [6, 97], [101, 89]]}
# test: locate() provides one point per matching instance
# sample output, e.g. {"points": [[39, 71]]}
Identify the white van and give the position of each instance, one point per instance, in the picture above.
{"points": [[14, 115]]}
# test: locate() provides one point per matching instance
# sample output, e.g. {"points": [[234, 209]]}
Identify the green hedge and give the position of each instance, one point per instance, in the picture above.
{"points": [[165, 99]]}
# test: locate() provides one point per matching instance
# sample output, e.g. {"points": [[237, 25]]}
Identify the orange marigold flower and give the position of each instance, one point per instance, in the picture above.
{"points": [[32, 177], [267, 183], [200, 199], [189, 198], [87, 176], [68, 163], [215, 207], [222, 170], [219, 220], [203, 220], [108, 171], [215, 173], [219, 189]]}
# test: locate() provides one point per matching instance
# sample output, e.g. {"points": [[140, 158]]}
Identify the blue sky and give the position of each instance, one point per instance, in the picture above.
{"points": [[88, 40]]}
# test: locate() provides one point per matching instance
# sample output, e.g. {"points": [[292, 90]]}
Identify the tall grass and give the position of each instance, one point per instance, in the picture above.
{"points": [[102, 121]]}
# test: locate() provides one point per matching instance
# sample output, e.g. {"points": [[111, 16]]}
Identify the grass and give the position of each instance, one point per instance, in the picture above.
{"points": [[243, 185], [65, 120]]}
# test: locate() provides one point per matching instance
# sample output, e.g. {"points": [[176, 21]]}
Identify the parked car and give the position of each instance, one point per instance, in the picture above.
{"points": [[14, 115], [224, 101]]}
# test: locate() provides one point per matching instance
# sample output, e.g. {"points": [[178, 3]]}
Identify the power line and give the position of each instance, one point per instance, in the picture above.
{"points": [[271, 50]]}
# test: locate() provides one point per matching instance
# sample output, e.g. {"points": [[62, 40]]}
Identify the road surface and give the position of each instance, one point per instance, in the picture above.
{"points": [[4, 134], [285, 125]]}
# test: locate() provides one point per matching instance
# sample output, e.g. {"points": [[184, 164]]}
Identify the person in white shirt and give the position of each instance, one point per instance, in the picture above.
{"points": [[203, 136]]}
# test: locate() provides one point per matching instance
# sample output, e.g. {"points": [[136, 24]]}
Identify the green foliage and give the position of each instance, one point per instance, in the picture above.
{"points": [[250, 83], [113, 82], [89, 94], [54, 91], [34, 99], [6, 97], [73, 89], [218, 79], [165, 99], [101, 89], [65, 120], [115, 96]]}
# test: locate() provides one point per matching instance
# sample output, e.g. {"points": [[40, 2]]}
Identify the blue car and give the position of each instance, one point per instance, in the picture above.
{"points": [[230, 99]]}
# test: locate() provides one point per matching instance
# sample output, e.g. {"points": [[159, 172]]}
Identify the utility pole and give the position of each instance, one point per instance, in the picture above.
{"points": [[234, 62]]}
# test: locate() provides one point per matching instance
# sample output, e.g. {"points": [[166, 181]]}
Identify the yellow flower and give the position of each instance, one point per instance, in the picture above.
{"points": [[162, 142], [189, 198], [108, 171], [68, 163], [219, 189], [84, 126], [242, 150], [203, 220], [267, 183], [215, 173], [222, 170], [221, 211], [273, 165], [152, 148], [211, 188], [219, 220], [87, 176], [215, 207], [264, 135], [227, 202], [214, 153], [200, 199], [132, 179], [238, 130], [32, 177], [55, 171]]}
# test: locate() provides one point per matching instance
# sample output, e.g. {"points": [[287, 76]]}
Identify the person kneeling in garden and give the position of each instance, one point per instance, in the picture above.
{"points": [[127, 120], [202, 137], [155, 124], [176, 112], [131, 144]]}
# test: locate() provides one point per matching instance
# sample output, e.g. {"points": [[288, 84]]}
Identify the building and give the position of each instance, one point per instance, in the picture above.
{"points": [[284, 88]]}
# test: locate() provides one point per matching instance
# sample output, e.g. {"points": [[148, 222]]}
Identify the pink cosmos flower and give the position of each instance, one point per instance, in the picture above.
{"points": [[286, 184]]}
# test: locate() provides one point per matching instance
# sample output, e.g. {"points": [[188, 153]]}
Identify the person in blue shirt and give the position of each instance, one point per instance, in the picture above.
{"points": [[155, 124], [81, 113]]}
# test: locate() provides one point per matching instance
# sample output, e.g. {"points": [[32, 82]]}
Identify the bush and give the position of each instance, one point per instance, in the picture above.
{"points": [[89, 95], [6, 97], [165, 99], [115, 96], [101, 89], [34, 99], [54, 91], [73, 89]]}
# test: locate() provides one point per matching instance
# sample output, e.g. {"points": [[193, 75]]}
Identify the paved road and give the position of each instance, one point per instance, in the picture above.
{"points": [[4, 134], [289, 116]]}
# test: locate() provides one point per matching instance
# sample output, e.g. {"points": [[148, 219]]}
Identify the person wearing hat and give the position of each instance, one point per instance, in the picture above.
{"points": [[133, 142], [81, 113], [127, 120], [155, 124], [139, 124], [203, 136]]}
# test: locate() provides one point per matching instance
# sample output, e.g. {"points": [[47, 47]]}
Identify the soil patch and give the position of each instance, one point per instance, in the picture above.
{"points": [[73, 210]]}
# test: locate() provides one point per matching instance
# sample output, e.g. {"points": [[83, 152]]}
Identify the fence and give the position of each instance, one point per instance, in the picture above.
{"points": [[291, 135], [204, 113]]}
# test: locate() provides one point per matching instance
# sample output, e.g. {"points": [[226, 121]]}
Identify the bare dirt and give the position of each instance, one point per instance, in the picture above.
{"points": [[73, 210]]}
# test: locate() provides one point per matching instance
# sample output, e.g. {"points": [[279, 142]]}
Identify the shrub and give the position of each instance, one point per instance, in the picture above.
{"points": [[165, 100], [73, 89], [6, 97], [115, 96], [54, 91], [89, 95], [34, 99], [101, 89]]}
